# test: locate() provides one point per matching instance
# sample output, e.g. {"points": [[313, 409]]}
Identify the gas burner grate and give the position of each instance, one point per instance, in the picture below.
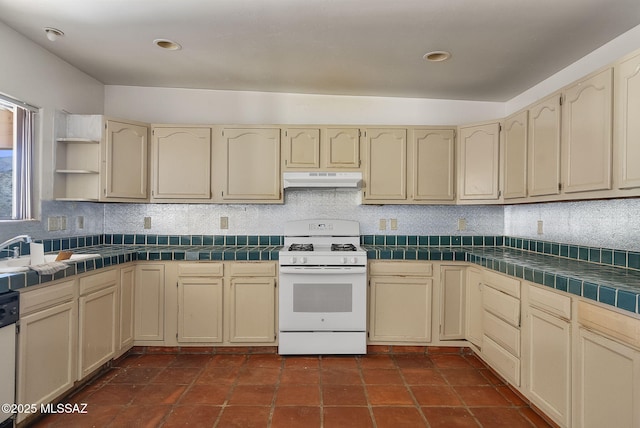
{"points": [[343, 247], [301, 247]]}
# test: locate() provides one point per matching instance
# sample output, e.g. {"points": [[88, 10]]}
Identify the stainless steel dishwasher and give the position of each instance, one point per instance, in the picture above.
{"points": [[9, 314]]}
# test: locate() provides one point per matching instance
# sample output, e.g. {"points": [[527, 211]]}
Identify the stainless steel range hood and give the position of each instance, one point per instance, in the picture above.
{"points": [[321, 179]]}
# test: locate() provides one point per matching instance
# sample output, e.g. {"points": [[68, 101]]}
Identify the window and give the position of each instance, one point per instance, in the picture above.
{"points": [[16, 148]]}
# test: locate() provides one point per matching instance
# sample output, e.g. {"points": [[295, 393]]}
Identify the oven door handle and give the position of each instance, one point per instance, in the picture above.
{"points": [[323, 270]]}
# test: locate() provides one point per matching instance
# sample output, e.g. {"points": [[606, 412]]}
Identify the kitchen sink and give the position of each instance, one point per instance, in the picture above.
{"points": [[21, 264]]}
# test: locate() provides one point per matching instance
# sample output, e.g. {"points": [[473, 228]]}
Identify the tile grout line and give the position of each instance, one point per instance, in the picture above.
{"points": [[408, 388]]}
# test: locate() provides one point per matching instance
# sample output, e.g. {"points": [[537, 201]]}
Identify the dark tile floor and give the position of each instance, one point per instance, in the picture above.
{"points": [[266, 390]]}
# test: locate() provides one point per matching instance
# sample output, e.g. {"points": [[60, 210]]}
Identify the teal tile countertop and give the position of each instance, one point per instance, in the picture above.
{"points": [[615, 286], [605, 275]]}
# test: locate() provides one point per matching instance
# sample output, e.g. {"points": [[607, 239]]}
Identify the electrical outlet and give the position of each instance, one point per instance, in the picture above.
{"points": [[224, 222], [62, 222], [80, 222], [147, 222], [393, 223], [540, 232], [383, 224], [53, 224], [462, 224]]}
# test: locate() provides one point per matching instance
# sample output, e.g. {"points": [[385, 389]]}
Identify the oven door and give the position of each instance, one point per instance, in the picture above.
{"points": [[323, 298]]}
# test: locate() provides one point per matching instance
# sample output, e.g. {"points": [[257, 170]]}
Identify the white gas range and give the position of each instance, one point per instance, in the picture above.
{"points": [[323, 288]]}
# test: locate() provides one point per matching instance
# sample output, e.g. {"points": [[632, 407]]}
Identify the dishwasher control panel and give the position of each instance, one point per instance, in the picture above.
{"points": [[9, 308]]}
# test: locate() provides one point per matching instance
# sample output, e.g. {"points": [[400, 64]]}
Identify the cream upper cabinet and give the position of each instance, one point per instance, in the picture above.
{"points": [[252, 164], [515, 155], [479, 162], [385, 165], [301, 148], [181, 163], [433, 164], [543, 143], [627, 125], [125, 161], [587, 134], [341, 147], [100, 159]]}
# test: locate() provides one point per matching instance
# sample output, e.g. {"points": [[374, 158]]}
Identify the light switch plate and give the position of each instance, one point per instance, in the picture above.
{"points": [[147, 222], [53, 224], [80, 222], [63, 223], [383, 224], [224, 222], [393, 223], [540, 230], [462, 224]]}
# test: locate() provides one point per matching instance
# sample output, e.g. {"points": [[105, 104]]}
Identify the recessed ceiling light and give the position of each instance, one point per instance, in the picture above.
{"points": [[167, 44], [437, 56], [53, 34]]}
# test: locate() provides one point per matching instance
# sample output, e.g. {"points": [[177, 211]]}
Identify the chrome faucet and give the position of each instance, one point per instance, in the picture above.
{"points": [[15, 251]]}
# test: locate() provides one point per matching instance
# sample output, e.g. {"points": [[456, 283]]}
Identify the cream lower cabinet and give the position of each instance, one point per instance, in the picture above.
{"points": [[252, 303], [474, 309], [606, 369], [200, 301], [452, 303], [546, 349], [400, 296], [97, 321], [126, 314], [501, 325], [47, 343], [149, 302]]}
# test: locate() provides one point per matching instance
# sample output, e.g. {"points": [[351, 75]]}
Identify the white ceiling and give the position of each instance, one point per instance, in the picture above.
{"points": [[500, 48]]}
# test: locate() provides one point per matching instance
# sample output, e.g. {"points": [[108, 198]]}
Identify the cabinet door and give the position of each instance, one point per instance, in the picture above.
{"points": [[390, 296], [627, 127], [607, 383], [342, 148], [182, 163], [549, 364], [544, 147], [386, 164], [452, 303], [199, 309], [433, 165], [301, 148], [47, 352], [253, 164], [126, 312], [479, 162], [97, 329], [474, 307], [149, 302], [587, 134], [515, 156], [252, 310], [124, 166]]}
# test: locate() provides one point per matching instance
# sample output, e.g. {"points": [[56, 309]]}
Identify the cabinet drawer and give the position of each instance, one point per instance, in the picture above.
{"points": [[502, 305], [613, 324], [32, 301], [503, 283], [548, 301], [501, 360], [504, 334], [200, 269], [406, 268], [98, 281], [252, 269]]}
